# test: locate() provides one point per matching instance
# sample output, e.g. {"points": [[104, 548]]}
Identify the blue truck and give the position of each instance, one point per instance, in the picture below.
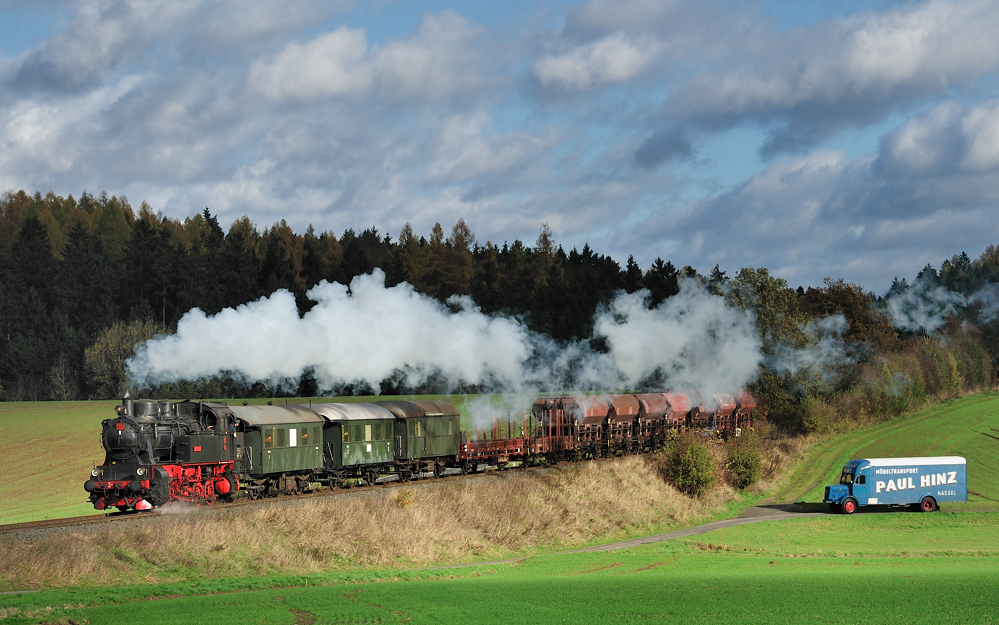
{"points": [[921, 483]]}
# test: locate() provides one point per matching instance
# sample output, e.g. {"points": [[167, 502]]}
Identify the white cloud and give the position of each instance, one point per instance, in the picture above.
{"points": [[612, 59], [935, 43], [917, 146], [35, 132], [333, 64], [945, 140], [849, 71], [438, 60], [466, 149], [981, 129]]}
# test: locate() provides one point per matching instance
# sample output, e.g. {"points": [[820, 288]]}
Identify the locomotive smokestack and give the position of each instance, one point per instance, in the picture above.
{"points": [[126, 406]]}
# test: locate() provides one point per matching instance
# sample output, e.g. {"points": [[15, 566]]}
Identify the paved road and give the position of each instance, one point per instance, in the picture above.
{"points": [[775, 512], [767, 512]]}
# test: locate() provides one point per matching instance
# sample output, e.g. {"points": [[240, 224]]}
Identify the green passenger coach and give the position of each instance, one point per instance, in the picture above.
{"points": [[356, 435], [280, 439], [427, 434]]}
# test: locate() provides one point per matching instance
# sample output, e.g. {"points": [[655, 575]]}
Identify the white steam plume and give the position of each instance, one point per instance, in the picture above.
{"points": [[694, 342], [926, 305], [824, 355], [365, 335], [923, 307], [987, 298]]}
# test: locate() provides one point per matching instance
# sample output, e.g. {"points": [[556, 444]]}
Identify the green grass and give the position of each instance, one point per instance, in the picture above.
{"points": [[968, 426], [47, 450], [875, 568]]}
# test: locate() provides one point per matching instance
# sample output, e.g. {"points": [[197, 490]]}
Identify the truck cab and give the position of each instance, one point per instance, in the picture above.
{"points": [[910, 482]]}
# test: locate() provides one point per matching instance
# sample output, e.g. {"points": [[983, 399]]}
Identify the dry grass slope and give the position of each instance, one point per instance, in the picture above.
{"points": [[492, 516]]}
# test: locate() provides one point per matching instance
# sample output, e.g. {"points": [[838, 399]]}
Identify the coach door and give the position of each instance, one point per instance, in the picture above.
{"points": [[401, 447], [239, 454], [418, 437]]}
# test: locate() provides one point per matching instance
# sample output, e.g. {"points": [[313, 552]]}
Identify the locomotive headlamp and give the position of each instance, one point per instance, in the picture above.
{"points": [[140, 471], [95, 472]]}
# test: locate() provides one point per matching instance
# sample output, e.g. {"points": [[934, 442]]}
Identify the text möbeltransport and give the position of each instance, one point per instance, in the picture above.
{"points": [[905, 483]]}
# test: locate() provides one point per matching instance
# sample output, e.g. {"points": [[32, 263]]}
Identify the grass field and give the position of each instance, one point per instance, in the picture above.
{"points": [[875, 568], [968, 426]]}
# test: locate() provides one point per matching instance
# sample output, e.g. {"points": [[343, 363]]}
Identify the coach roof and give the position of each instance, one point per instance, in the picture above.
{"points": [[352, 412], [275, 415]]}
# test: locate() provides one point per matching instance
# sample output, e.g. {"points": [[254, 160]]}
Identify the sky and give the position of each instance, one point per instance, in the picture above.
{"points": [[854, 140]]}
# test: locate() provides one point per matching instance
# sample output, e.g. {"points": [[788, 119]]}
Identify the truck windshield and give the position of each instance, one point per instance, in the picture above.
{"points": [[846, 478]]}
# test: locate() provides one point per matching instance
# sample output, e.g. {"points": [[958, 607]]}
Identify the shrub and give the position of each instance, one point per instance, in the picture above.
{"points": [[685, 462], [743, 460]]}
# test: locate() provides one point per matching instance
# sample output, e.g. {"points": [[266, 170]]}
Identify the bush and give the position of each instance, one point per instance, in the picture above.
{"points": [[685, 462], [743, 460]]}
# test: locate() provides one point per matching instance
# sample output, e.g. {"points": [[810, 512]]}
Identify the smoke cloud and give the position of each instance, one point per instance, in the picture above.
{"points": [[923, 307], [361, 336], [987, 299], [694, 342], [926, 305], [824, 354]]}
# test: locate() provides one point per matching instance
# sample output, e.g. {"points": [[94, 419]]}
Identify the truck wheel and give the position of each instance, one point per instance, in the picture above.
{"points": [[928, 504], [849, 506]]}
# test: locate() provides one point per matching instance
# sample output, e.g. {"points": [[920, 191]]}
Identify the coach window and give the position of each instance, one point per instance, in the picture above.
{"points": [[315, 435], [304, 437], [269, 437], [282, 438], [367, 431], [346, 433], [416, 428]]}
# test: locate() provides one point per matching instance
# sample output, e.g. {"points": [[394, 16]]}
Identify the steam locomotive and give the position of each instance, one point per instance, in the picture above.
{"points": [[202, 452]]}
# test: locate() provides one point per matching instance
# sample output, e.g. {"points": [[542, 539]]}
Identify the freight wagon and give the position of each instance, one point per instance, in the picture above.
{"points": [[921, 483]]}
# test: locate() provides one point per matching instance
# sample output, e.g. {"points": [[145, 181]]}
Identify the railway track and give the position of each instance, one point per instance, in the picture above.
{"points": [[70, 521]]}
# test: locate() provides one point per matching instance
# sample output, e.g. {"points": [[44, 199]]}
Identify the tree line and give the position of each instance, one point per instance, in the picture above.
{"points": [[83, 280]]}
